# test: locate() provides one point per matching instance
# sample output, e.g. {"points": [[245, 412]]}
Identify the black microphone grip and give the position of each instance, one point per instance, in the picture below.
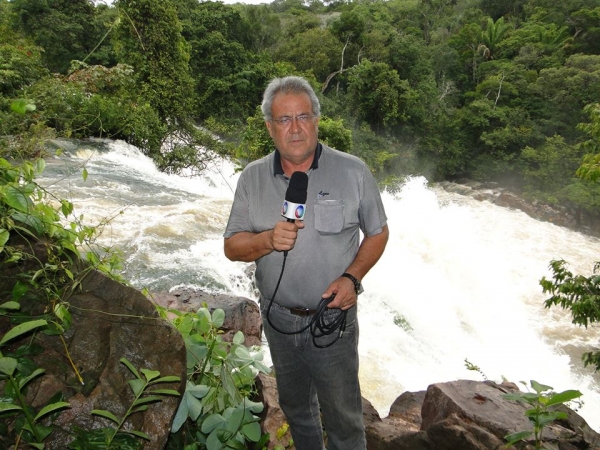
{"points": [[294, 205]]}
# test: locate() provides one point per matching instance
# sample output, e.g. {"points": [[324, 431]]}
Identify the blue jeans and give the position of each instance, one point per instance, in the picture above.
{"points": [[311, 380]]}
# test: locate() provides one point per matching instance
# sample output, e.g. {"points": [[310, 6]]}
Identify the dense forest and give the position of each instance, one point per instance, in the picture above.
{"points": [[490, 90]]}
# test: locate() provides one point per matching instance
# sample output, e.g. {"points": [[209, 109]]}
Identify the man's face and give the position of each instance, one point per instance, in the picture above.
{"points": [[297, 139]]}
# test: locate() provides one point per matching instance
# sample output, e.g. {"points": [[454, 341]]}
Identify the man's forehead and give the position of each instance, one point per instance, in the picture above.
{"points": [[288, 100]]}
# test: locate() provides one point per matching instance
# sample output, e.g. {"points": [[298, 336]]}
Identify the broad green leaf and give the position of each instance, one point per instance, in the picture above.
{"points": [[518, 436], [4, 235], [62, 312], [166, 392], [10, 306], [235, 419], [106, 414], [539, 388], [243, 354], [17, 199], [150, 374], [66, 207], [139, 434], [149, 399], [137, 386], [213, 421], [167, 379], [194, 407], [29, 220], [238, 338], [252, 431], [218, 317], [255, 407], [34, 374], [8, 365], [22, 329], [50, 408], [181, 415], [197, 391], [5, 407], [40, 165], [563, 397], [84, 174], [139, 409], [41, 430], [19, 290], [213, 442], [130, 367]]}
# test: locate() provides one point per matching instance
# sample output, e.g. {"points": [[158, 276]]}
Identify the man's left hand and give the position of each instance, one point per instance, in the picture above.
{"points": [[345, 296]]}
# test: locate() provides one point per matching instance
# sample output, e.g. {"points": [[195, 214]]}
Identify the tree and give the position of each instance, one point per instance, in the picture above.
{"points": [[378, 95], [149, 38], [315, 50], [590, 169], [578, 294], [492, 36], [66, 29]]}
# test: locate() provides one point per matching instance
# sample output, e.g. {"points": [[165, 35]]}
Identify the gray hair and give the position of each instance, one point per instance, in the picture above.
{"points": [[288, 85]]}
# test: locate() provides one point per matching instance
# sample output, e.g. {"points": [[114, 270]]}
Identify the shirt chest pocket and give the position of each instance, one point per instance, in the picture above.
{"points": [[329, 216]]}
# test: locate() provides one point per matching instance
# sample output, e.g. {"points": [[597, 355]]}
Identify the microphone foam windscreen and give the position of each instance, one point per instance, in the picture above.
{"points": [[296, 192]]}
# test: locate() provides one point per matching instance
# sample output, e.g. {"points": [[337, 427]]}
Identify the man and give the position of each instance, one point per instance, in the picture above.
{"points": [[326, 257]]}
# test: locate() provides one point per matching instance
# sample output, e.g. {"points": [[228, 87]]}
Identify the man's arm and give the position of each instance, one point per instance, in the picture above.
{"points": [[246, 246], [369, 252]]}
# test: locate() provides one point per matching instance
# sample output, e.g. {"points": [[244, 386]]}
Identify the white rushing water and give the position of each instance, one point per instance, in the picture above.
{"points": [[459, 278]]}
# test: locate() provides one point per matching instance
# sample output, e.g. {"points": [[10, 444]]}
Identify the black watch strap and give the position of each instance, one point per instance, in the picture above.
{"points": [[354, 280]]}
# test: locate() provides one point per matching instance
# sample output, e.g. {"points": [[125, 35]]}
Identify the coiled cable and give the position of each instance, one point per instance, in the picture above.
{"points": [[319, 325]]}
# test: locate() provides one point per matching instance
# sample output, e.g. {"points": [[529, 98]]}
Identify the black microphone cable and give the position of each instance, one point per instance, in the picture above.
{"points": [[319, 326]]}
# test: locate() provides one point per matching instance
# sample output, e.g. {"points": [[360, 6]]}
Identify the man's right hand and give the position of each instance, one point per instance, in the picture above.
{"points": [[284, 235]]}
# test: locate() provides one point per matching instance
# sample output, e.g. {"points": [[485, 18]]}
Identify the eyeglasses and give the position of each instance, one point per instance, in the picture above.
{"points": [[286, 121]]}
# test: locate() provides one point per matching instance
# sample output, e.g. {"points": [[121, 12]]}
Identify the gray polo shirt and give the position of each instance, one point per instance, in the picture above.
{"points": [[343, 197]]}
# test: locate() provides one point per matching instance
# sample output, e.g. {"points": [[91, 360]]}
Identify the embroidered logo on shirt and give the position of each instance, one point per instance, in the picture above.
{"points": [[322, 194]]}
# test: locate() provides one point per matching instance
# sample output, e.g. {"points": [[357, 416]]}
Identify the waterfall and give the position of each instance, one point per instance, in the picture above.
{"points": [[459, 279]]}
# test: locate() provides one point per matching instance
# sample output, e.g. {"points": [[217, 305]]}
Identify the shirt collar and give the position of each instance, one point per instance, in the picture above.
{"points": [[278, 169]]}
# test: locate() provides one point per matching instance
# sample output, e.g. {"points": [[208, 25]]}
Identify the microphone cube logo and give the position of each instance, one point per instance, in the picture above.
{"points": [[293, 211]]}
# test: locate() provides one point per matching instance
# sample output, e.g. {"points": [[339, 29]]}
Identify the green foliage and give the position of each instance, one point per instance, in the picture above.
{"points": [[149, 38], [315, 50], [378, 94], [145, 393], [543, 411], [66, 30], [333, 133], [216, 411], [590, 169], [578, 294], [16, 373]]}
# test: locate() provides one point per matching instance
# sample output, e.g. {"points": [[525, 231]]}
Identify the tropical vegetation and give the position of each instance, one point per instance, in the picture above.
{"points": [[498, 91]]}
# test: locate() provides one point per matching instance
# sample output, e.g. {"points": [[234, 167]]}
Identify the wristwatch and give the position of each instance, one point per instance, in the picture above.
{"points": [[356, 281]]}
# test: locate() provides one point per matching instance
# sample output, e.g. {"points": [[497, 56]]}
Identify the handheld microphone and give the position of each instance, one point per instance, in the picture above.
{"points": [[294, 205]]}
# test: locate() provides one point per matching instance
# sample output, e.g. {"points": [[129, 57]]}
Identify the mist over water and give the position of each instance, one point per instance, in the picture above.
{"points": [[459, 278]]}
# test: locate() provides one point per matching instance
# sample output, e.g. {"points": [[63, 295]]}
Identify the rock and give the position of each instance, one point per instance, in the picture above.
{"points": [[241, 314], [273, 420], [395, 432], [467, 415], [110, 321]]}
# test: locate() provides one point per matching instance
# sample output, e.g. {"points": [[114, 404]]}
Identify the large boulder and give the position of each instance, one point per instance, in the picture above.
{"points": [[468, 415], [241, 314], [110, 321]]}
